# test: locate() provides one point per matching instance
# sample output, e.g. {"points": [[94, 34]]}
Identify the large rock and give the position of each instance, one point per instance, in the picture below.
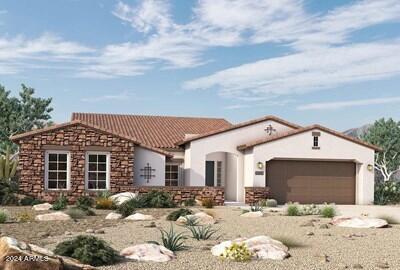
{"points": [[113, 215], [46, 259], [252, 214], [123, 197], [42, 207], [262, 247], [53, 216], [201, 218], [148, 252], [139, 217], [359, 222]]}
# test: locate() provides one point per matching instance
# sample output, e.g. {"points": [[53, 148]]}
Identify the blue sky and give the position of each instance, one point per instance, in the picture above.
{"points": [[335, 63]]}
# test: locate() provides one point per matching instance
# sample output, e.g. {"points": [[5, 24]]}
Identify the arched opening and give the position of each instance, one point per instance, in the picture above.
{"points": [[221, 169]]}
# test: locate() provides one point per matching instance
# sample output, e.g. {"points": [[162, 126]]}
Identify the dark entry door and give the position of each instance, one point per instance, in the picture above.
{"points": [[210, 173]]}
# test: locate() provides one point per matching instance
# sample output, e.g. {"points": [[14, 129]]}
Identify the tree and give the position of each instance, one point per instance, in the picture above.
{"points": [[385, 134], [18, 115]]}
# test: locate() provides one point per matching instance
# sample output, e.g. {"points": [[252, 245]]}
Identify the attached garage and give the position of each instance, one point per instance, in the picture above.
{"points": [[312, 181]]}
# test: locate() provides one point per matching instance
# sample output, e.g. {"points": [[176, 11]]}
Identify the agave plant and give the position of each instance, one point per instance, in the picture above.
{"points": [[202, 232], [8, 166], [172, 240]]}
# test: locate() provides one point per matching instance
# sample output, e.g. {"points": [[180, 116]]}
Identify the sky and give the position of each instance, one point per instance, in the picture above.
{"points": [[335, 63]]}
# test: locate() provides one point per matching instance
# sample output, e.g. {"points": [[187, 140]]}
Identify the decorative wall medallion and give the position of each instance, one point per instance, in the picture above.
{"points": [[147, 172], [270, 129]]}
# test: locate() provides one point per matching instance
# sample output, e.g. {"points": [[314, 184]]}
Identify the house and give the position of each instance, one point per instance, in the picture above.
{"points": [[196, 158]]}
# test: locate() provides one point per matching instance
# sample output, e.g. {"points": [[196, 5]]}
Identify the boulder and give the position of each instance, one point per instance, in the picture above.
{"points": [[148, 252], [120, 198], [262, 247], [44, 259], [113, 216], [359, 222], [252, 214], [42, 207], [53, 216], [139, 217], [201, 218]]}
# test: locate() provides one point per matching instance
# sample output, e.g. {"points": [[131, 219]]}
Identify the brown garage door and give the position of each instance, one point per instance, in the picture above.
{"points": [[311, 181]]}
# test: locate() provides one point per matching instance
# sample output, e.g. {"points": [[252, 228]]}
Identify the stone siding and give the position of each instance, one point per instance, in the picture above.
{"points": [[255, 194], [77, 139]]}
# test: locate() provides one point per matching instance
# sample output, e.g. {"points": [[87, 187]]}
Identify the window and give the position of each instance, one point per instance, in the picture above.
{"points": [[57, 170], [97, 170], [171, 174], [219, 173], [316, 142]]}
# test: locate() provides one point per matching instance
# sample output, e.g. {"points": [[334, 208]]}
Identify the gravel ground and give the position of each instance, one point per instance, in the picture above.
{"points": [[331, 248]]}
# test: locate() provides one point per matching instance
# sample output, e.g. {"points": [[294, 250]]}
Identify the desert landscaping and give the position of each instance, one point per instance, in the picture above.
{"points": [[305, 239]]}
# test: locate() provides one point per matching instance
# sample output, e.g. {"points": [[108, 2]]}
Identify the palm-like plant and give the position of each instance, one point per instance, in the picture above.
{"points": [[202, 232]]}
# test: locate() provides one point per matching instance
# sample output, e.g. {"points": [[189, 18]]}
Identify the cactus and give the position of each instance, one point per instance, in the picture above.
{"points": [[8, 167]]}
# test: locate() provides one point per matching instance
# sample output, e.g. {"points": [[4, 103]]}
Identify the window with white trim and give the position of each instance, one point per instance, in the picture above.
{"points": [[219, 173], [97, 170], [171, 174], [57, 170]]}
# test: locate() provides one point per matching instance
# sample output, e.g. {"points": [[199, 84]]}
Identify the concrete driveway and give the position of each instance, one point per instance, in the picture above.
{"points": [[370, 210]]}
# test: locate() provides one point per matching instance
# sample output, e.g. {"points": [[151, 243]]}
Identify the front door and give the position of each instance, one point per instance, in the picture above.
{"points": [[210, 173]]}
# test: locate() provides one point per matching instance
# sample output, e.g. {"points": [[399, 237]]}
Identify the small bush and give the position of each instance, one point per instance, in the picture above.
{"points": [[387, 192], [293, 210], [25, 216], [208, 203], [237, 252], [271, 203], [202, 232], [60, 204], [84, 202], [29, 201], [88, 250], [76, 213], [189, 202], [256, 208], [328, 211], [3, 217], [105, 203], [104, 194], [127, 208], [155, 199], [172, 240], [309, 209], [173, 216]]}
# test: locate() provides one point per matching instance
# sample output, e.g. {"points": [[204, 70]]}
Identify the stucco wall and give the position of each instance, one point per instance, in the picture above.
{"points": [[219, 156], [196, 151], [155, 160], [331, 148]]}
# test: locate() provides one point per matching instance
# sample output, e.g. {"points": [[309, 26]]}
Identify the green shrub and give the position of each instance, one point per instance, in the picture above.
{"points": [[104, 194], [8, 191], [25, 216], [88, 250], [155, 199], [256, 208], [202, 232], [237, 252], [189, 202], [271, 203], [173, 216], [3, 217], [172, 240], [293, 210], [76, 213], [105, 203], [208, 203], [328, 211], [387, 193], [29, 201], [309, 209], [84, 202], [127, 208], [60, 204]]}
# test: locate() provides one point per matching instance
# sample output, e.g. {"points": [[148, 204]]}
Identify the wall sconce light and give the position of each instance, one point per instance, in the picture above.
{"points": [[370, 167], [260, 165]]}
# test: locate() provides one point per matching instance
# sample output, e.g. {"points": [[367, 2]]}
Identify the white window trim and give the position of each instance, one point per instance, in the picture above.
{"points": [[46, 171], [108, 167]]}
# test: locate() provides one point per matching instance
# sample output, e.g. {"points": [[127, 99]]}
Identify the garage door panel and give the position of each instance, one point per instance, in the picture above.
{"points": [[311, 181]]}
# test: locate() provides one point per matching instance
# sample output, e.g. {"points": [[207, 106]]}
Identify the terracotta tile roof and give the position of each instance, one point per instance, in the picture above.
{"points": [[305, 129], [155, 131], [242, 124], [15, 138]]}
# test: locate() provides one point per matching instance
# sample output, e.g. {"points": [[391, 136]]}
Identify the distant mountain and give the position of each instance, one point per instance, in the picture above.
{"points": [[357, 132]]}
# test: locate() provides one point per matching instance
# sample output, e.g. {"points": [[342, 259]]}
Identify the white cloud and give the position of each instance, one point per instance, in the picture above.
{"points": [[345, 104], [124, 96], [306, 71]]}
